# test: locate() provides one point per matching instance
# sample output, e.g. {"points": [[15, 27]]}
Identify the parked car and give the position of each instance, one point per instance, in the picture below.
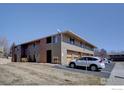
{"points": [[107, 61], [94, 63]]}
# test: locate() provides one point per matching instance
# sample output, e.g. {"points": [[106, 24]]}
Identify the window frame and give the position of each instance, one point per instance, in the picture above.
{"points": [[55, 39], [49, 40], [72, 40]]}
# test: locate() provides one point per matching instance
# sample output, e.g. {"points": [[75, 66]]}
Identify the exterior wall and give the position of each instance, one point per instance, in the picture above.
{"points": [[33, 52], [43, 50], [56, 52], [72, 55], [29, 53], [37, 51], [66, 46], [54, 47]]}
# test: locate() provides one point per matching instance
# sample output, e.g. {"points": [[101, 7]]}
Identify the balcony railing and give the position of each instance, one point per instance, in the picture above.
{"points": [[84, 47]]}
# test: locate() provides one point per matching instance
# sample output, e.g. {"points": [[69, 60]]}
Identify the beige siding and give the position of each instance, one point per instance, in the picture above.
{"points": [[56, 51], [72, 55], [65, 47]]}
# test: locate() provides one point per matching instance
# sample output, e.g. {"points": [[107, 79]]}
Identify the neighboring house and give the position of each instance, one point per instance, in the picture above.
{"points": [[59, 48], [1, 52], [116, 56]]}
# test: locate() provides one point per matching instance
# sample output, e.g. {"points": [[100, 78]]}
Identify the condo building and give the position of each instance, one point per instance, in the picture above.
{"points": [[59, 48]]}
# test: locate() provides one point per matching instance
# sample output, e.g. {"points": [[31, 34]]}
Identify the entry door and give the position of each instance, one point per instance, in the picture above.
{"points": [[49, 56]]}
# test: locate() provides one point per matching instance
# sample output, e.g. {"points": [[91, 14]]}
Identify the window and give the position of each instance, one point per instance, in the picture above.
{"points": [[82, 58], [49, 40], [91, 59], [72, 41], [81, 44], [33, 45], [55, 39]]}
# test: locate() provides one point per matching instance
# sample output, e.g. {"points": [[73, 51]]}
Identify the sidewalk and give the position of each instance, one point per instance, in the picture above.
{"points": [[117, 75]]}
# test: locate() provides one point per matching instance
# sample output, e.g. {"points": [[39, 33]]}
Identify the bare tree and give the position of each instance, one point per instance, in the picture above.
{"points": [[97, 52], [4, 44], [100, 53], [103, 53], [12, 48]]}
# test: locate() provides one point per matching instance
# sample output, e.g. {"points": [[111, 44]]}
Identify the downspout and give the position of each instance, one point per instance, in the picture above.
{"points": [[61, 37]]}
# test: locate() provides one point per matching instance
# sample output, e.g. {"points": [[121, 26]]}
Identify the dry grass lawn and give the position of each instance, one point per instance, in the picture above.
{"points": [[16, 73]]}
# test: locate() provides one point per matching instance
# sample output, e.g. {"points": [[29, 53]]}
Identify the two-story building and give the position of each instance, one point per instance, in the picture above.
{"points": [[59, 48]]}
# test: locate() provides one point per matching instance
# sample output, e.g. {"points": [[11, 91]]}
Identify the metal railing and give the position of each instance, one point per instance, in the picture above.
{"points": [[84, 47]]}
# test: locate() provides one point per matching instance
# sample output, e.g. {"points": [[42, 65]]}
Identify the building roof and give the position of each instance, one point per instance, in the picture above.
{"points": [[116, 53], [64, 32], [79, 37]]}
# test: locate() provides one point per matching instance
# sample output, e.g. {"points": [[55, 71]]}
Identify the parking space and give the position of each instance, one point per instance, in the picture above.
{"points": [[104, 73]]}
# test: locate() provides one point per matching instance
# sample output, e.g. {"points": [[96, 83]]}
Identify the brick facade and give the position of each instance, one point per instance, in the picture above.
{"points": [[58, 44]]}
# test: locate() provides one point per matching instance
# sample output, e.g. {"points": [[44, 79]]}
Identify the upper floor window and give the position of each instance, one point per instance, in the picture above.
{"points": [[82, 58], [72, 41], [49, 40], [34, 45], [91, 59], [81, 44], [55, 39]]}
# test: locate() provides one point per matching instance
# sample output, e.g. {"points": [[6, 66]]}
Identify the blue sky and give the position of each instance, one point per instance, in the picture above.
{"points": [[100, 24]]}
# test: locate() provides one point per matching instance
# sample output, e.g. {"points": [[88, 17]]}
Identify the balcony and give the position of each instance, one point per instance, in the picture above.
{"points": [[83, 47]]}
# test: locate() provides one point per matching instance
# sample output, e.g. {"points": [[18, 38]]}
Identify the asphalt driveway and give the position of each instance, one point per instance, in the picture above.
{"points": [[104, 73]]}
